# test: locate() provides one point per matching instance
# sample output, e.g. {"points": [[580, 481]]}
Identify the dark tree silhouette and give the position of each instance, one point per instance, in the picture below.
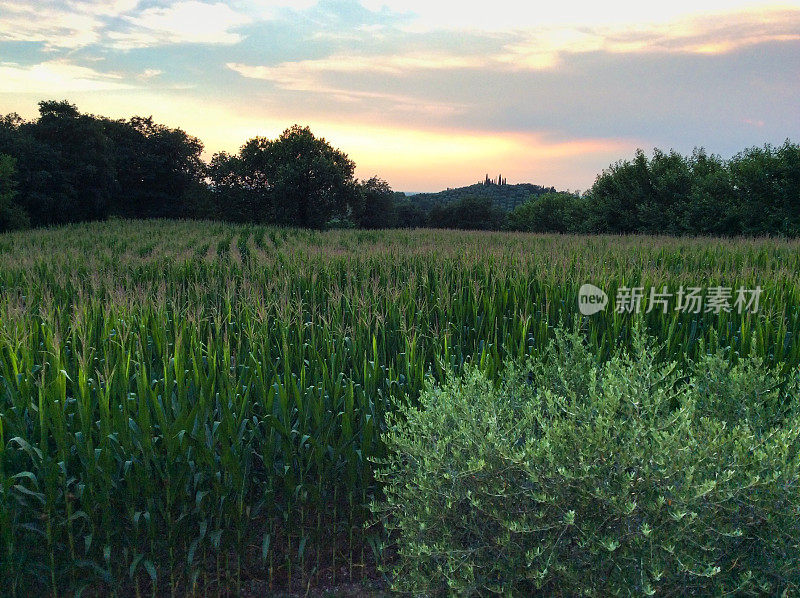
{"points": [[296, 179]]}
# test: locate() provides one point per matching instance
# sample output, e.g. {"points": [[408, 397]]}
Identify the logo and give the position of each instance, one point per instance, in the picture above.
{"points": [[591, 300], [695, 300]]}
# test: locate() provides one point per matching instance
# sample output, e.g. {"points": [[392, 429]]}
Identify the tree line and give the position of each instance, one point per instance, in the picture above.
{"points": [[757, 192], [67, 166], [71, 167]]}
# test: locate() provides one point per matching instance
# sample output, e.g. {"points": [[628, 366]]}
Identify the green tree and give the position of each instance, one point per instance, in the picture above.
{"points": [[159, 171], [12, 215], [296, 180], [311, 181], [616, 194], [408, 213], [74, 167], [668, 187], [374, 207], [80, 176], [241, 193], [468, 213], [757, 192], [712, 208], [766, 187], [557, 212]]}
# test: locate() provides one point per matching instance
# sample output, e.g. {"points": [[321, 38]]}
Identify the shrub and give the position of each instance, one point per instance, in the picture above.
{"points": [[576, 478], [743, 393]]}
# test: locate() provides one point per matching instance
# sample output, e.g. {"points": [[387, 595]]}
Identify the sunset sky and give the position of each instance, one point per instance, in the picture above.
{"points": [[425, 94]]}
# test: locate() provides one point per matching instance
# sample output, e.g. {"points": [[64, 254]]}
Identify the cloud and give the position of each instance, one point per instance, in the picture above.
{"points": [[55, 77], [311, 75], [668, 94], [58, 25], [397, 64], [80, 23], [55, 28], [506, 79], [535, 49], [101, 7], [149, 74], [511, 15], [272, 9], [719, 34], [308, 76], [183, 22]]}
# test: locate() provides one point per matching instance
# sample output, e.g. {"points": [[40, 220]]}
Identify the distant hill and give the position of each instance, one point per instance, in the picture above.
{"points": [[506, 197]]}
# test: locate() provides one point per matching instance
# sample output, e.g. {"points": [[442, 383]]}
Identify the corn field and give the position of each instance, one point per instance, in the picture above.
{"points": [[192, 408]]}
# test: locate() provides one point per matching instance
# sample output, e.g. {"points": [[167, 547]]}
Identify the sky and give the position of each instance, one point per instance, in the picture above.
{"points": [[425, 94]]}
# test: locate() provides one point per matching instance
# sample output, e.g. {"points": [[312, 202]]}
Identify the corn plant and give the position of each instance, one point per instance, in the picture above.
{"points": [[189, 406]]}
